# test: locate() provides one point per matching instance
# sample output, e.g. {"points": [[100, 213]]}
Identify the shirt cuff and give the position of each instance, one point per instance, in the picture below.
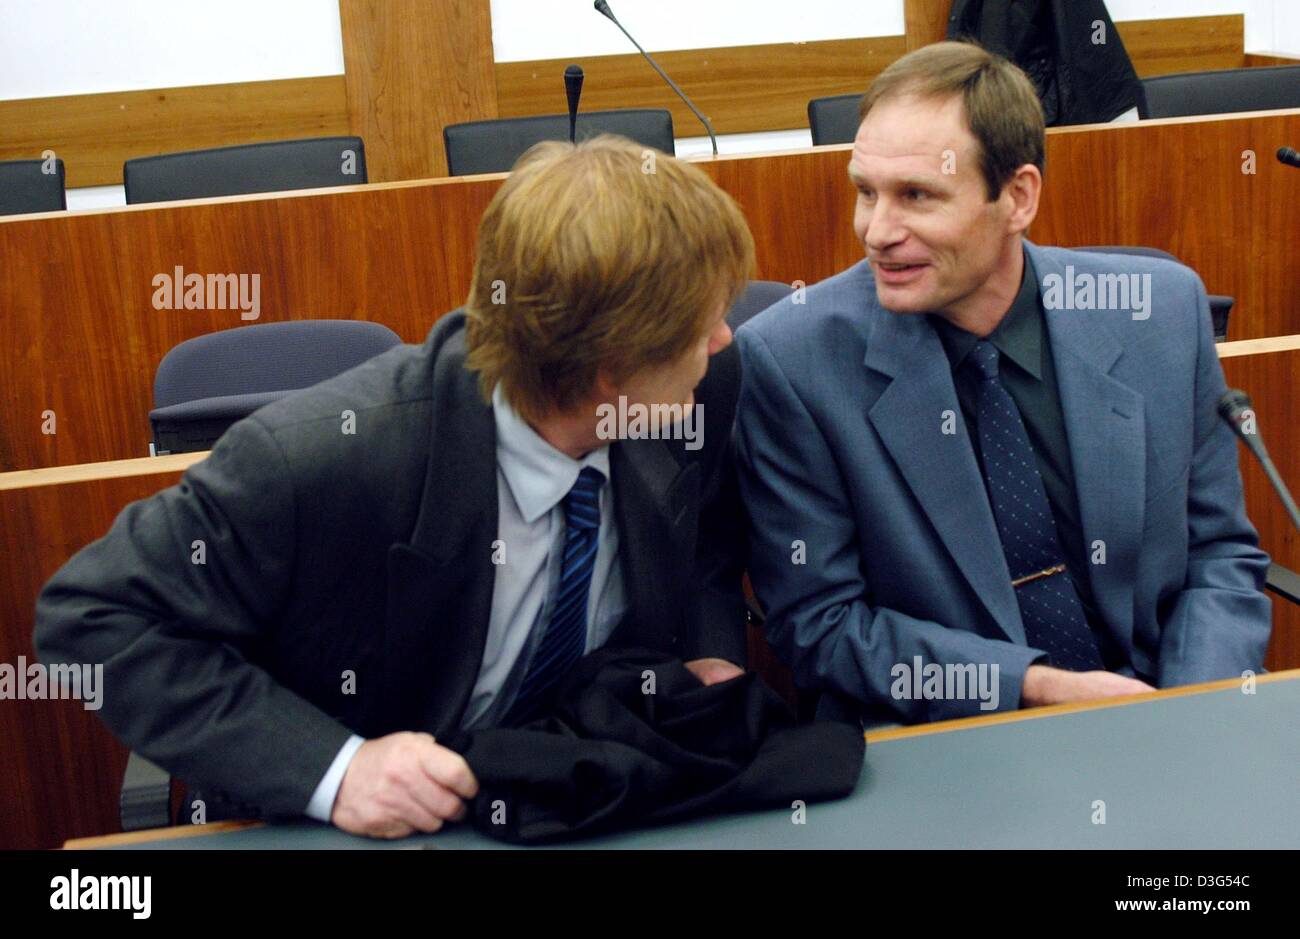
{"points": [[321, 806]]}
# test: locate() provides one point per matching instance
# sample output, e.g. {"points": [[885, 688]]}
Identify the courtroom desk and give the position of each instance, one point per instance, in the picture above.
{"points": [[68, 766], [61, 765], [1205, 766], [83, 338]]}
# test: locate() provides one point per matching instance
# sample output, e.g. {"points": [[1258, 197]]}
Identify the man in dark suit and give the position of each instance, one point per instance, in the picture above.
{"points": [[985, 474], [426, 543]]}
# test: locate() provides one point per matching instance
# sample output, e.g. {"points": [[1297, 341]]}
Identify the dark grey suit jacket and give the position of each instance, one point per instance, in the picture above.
{"points": [[347, 578]]}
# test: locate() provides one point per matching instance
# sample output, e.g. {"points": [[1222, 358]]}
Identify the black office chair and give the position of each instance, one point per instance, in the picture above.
{"points": [[1220, 306], [26, 188], [205, 384], [494, 146], [758, 296], [833, 119], [260, 167], [1220, 92]]}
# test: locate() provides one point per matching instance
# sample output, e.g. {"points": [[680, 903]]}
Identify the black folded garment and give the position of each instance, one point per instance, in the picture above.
{"points": [[611, 755]]}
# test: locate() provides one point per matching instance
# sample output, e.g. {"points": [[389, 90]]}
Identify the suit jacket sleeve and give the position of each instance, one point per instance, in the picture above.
{"points": [[1220, 623], [819, 618], [720, 542], [175, 601]]}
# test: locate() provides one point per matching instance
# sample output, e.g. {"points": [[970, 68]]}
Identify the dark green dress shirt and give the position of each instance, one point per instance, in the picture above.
{"points": [[1029, 375]]}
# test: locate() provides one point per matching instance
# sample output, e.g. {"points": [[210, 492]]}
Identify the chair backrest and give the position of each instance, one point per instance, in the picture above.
{"points": [[494, 146], [260, 167], [205, 384], [1220, 92], [25, 187], [833, 119], [758, 296], [1220, 306]]}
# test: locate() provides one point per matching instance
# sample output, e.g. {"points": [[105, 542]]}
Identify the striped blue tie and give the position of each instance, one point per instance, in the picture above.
{"points": [[565, 638], [1049, 605]]}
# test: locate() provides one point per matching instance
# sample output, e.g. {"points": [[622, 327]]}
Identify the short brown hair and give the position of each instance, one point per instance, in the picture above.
{"points": [[1002, 108], [604, 255]]}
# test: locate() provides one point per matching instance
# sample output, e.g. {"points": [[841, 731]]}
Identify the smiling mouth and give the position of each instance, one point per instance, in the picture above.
{"points": [[893, 267]]}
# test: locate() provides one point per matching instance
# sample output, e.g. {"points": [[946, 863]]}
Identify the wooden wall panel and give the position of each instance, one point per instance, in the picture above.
{"points": [[62, 767], [741, 89], [744, 89], [1188, 44], [84, 339], [925, 21], [413, 67], [95, 134], [1179, 185], [1266, 59], [1271, 379]]}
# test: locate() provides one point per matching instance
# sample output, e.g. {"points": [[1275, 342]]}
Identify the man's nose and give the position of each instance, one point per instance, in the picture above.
{"points": [[884, 228]]}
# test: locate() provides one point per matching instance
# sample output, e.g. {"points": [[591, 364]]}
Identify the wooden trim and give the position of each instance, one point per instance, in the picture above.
{"points": [[1267, 59], [114, 469], [412, 67], [1228, 350], [925, 22], [95, 134], [1184, 44], [1124, 126], [157, 834], [1007, 717], [741, 89]]}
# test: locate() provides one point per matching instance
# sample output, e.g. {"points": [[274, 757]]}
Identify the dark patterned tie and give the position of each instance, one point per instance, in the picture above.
{"points": [[566, 634], [1049, 605]]}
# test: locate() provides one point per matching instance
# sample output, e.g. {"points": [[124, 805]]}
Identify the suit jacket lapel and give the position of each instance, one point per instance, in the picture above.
{"points": [[1106, 429], [654, 497], [440, 584], [940, 470]]}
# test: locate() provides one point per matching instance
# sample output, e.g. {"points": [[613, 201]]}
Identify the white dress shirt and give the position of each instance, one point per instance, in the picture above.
{"points": [[532, 480]]}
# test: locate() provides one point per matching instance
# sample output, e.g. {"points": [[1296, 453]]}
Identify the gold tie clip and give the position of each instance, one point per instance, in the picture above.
{"points": [[1045, 572]]}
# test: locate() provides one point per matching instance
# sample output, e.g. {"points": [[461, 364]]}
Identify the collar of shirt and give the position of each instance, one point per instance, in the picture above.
{"points": [[1019, 337], [538, 475]]}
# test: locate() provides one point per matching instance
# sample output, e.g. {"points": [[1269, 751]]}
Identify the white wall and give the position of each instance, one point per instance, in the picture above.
{"points": [[548, 29], [61, 47], [70, 47]]}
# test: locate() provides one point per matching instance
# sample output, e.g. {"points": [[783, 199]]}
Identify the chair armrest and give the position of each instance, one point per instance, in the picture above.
{"points": [[146, 800], [1284, 582]]}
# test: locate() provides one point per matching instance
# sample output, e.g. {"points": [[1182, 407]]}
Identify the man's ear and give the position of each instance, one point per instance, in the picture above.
{"points": [[604, 387], [1023, 189]]}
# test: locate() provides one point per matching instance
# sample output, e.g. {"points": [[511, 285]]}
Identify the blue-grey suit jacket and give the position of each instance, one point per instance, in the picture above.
{"points": [[873, 541]]}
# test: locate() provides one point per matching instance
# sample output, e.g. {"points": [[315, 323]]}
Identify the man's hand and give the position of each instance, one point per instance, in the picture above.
{"points": [[402, 783], [713, 671], [1047, 685]]}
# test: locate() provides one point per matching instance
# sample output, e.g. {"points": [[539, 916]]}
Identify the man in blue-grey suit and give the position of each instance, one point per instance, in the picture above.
{"points": [[983, 474]]}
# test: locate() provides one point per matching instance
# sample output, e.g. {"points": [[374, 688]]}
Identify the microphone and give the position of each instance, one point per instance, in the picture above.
{"points": [[1236, 411], [573, 88], [1288, 156], [603, 9]]}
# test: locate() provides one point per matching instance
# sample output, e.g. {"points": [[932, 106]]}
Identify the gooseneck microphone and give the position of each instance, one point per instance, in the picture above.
{"points": [[1288, 156], [603, 8], [573, 89], [1236, 410]]}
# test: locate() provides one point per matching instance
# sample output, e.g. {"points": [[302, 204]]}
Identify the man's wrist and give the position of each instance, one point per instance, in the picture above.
{"points": [[321, 806]]}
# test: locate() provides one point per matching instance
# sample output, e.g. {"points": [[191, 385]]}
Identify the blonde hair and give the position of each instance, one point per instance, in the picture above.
{"points": [[604, 255]]}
